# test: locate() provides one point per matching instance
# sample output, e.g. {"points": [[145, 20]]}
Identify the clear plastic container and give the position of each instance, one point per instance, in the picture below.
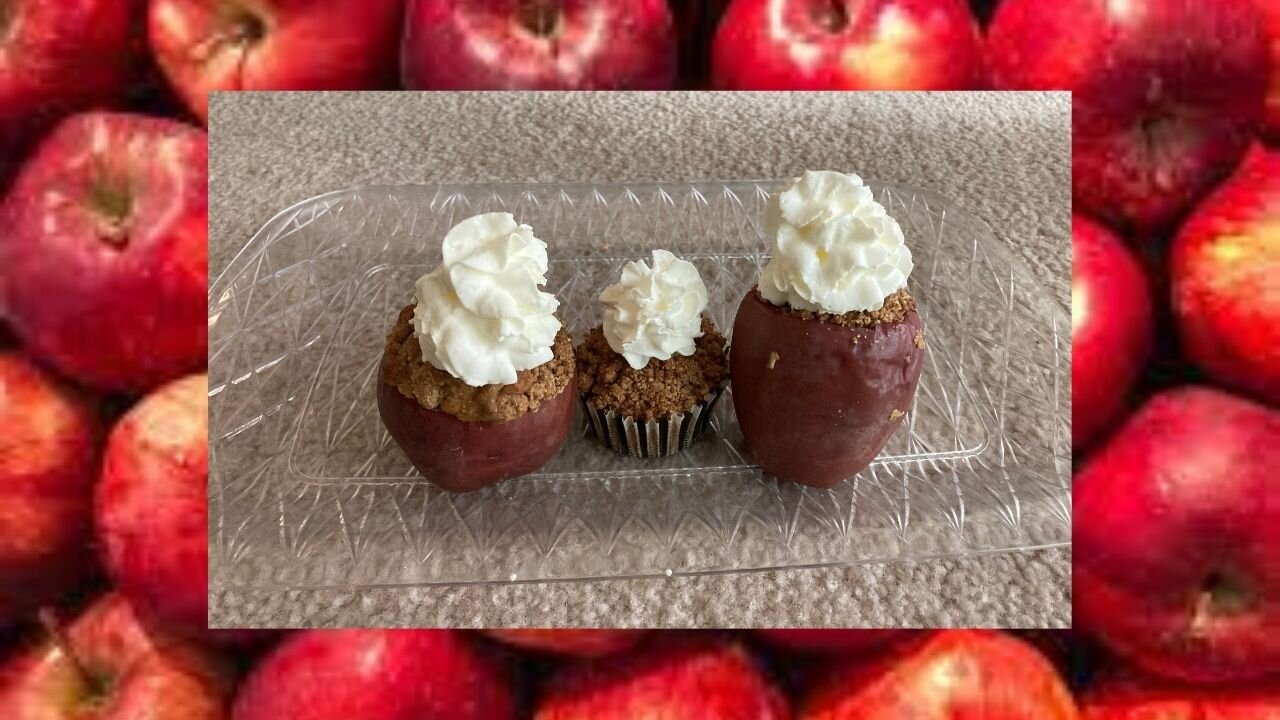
{"points": [[308, 490]]}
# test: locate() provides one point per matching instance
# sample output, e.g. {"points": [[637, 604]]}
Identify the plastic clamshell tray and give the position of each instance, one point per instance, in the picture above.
{"points": [[307, 489]]}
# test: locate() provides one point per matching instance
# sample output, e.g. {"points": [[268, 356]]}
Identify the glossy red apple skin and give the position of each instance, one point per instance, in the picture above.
{"points": [[585, 643], [466, 456], [105, 254], [376, 675], [677, 677], [1166, 94], [152, 505], [847, 45], [207, 45], [829, 641], [1177, 538], [1226, 280], [57, 58], [143, 673], [952, 674], [49, 448], [1135, 698], [817, 401], [1111, 328], [539, 45]]}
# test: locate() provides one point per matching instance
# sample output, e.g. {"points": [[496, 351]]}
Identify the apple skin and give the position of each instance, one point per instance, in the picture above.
{"points": [[49, 448], [1166, 94], [847, 45], [1134, 698], [57, 58], [690, 676], [466, 456], [1225, 262], [152, 505], [206, 45], [1111, 328], [817, 401], [105, 255], [502, 45], [585, 643], [137, 673], [829, 641], [950, 674], [376, 675], [1177, 538]]}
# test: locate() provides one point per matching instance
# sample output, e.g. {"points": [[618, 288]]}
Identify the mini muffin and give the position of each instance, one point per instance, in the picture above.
{"points": [[651, 374], [477, 378], [828, 348]]}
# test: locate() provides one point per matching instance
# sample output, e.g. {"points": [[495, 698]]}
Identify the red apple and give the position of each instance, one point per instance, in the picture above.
{"points": [[1111, 327], [49, 441], [206, 45], [1166, 93], [1177, 538], [829, 641], [152, 505], [951, 674], [104, 260], [1271, 16], [678, 677], [817, 400], [375, 675], [109, 666], [847, 45], [466, 456], [539, 45], [578, 643], [1226, 280], [1144, 699], [57, 58]]}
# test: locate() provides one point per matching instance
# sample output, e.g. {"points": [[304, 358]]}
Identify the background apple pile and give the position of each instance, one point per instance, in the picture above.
{"points": [[1175, 320], [109, 664], [103, 397]]}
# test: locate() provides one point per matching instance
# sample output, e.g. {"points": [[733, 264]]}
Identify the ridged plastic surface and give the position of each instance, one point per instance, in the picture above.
{"points": [[307, 489]]}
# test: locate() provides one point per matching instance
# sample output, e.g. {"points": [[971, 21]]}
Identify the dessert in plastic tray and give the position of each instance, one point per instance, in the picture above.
{"points": [[307, 489]]}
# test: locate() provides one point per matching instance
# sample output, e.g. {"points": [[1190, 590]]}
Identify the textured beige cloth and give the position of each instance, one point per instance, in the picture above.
{"points": [[1003, 156]]}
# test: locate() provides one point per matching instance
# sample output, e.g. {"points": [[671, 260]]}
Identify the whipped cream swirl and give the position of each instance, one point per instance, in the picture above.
{"points": [[836, 250], [480, 315], [654, 312]]}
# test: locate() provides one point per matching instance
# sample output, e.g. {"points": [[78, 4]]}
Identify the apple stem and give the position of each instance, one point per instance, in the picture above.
{"points": [[1221, 594], [541, 17], [248, 28], [832, 15]]}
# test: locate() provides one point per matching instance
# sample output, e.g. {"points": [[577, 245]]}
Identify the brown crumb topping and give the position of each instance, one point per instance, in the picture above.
{"points": [[896, 308], [920, 339], [660, 388], [435, 389]]}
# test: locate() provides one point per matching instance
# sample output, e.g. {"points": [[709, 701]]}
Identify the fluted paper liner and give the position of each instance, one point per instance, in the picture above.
{"points": [[651, 438]]}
